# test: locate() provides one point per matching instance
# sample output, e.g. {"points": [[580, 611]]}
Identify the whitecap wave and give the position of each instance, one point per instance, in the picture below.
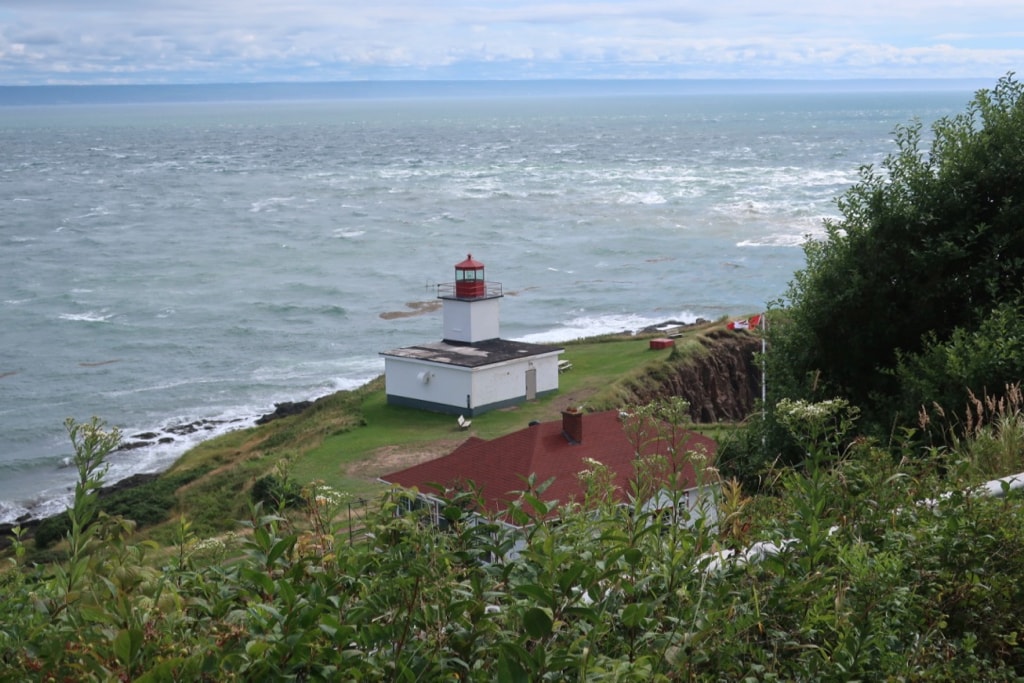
{"points": [[269, 204], [45, 504], [95, 212], [337, 375], [776, 240], [348, 234], [590, 326], [88, 316], [646, 198], [160, 386]]}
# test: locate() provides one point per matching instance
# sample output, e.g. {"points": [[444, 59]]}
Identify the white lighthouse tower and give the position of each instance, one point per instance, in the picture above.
{"points": [[470, 304], [472, 369]]}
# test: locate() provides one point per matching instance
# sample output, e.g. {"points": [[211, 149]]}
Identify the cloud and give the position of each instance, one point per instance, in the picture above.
{"points": [[81, 41]]}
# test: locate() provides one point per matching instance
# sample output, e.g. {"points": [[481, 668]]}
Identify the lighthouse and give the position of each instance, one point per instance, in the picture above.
{"points": [[470, 304], [472, 369]]}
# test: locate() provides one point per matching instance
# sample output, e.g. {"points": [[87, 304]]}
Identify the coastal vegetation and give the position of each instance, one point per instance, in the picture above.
{"points": [[886, 569], [915, 295], [853, 542]]}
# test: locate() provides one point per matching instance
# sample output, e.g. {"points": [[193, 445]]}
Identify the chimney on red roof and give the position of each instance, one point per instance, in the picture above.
{"points": [[572, 425]]}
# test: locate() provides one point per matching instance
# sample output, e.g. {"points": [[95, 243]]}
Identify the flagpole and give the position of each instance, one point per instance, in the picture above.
{"points": [[759, 321], [764, 383], [764, 369]]}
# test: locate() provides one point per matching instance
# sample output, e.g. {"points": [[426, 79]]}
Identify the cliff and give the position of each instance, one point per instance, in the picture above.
{"points": [[721, 382]]}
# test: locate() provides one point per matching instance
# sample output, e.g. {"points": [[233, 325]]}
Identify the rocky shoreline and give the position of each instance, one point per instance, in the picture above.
{"points": [[172, 433], [28, 522]]}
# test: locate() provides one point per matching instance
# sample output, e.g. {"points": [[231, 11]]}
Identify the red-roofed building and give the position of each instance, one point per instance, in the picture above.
{"points": [[559, 451]]}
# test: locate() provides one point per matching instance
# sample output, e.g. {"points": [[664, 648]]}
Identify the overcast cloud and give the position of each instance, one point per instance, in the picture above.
{"points": [[217, 41]]}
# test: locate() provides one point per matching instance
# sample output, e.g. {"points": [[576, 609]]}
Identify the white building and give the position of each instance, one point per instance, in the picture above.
{"points": [[471, 370]]}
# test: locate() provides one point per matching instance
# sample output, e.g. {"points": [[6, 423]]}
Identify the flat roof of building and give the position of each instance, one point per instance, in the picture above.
{"points": [[474, 355]]}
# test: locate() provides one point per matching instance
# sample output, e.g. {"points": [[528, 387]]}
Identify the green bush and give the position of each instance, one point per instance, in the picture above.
{"points": [[51, 530], [275, 492], [152, 502], [981, 361], [146, 504]]}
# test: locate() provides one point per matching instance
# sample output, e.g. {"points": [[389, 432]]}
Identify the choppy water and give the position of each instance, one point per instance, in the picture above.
{"points": [[162, 263]]}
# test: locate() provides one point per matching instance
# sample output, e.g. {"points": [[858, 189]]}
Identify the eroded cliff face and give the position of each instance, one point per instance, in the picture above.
{"points": [[722, 384]]}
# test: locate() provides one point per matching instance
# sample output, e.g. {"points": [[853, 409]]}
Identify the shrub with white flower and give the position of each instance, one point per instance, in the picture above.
{"points": [[92, 443], [208, 549], [323, 505], [821, 424], [597, 480]]}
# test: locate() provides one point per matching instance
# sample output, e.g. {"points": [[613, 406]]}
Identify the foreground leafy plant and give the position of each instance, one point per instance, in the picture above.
{"points": [[881, 588]]}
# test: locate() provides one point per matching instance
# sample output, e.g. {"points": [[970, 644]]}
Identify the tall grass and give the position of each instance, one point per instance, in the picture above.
{"points": [[988, 441]]}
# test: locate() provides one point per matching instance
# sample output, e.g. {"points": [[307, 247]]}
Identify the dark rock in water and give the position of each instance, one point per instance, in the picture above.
{"points": [[143, 439], [193, 427], [673, 325], [286, 409]]}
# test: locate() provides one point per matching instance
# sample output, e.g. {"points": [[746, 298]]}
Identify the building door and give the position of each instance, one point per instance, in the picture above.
{"points": [[531, 384]]}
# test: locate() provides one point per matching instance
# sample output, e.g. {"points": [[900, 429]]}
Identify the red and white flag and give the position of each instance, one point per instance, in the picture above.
{"points": [[750, 323]]}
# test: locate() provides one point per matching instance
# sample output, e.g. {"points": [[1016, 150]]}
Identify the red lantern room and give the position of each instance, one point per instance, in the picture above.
{"points": [[469, 279]]}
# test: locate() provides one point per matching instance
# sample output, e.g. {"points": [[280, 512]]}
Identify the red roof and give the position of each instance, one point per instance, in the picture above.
{"points": [[499, 468], [469, 264]]}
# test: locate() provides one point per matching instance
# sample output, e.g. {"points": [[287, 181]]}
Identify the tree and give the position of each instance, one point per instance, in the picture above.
{"points": [[984, 361], [928, 244]]}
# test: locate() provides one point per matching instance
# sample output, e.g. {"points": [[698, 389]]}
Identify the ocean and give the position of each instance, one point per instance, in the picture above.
{"points": [[193, 255]]}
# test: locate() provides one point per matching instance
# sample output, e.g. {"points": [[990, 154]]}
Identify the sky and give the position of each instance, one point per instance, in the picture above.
{"points": [[247, 41]]}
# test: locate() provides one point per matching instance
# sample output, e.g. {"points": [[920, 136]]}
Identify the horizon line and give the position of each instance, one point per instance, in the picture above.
{"points": [[390, 89]]}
